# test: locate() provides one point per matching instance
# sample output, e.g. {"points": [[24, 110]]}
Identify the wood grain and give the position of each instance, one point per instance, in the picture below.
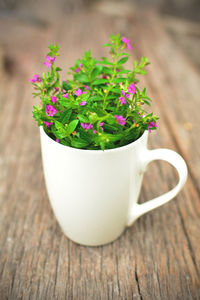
{"points": [[158, 257]]}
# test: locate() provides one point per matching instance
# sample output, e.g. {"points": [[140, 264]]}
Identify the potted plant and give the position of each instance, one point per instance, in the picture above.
{"points": [[94, 128]]}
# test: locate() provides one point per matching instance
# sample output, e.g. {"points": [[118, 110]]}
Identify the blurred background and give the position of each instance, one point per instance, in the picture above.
{"points": [[34, 255], [19, 18]]}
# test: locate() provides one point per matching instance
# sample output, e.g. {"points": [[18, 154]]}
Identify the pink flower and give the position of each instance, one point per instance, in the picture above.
{"points": [[101, 125], [120, 120], [127, 42], [122, 99], [53, 99], [56, 89], [35, 78], [77, 70], [57, 140], [47, 123], [140, 115], [86, 87], [78, 92], [83, 103], [86, 126], [94, 131], [151, 125], [105, 76], [50, 110], [117, 70], [123, 93], [49, 61], [65, 95], [62, 90], [132, 88]]}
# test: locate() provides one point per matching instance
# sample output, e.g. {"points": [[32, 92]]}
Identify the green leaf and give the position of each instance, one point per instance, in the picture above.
{"points": [[124, 53], [96, 71], [99, 81], [118, 80], [61, 131], [124, 72], [72, 126], [58, 69], [95, 98], [116, 90], [111, 97], [66, 86], [79, 143], [81, 78], [107, 70], [82, 118], [65, 116], [122, 60], [111, 119], [110, 128], [108, 45], [65, 103], [114, 137], [147, 102]]}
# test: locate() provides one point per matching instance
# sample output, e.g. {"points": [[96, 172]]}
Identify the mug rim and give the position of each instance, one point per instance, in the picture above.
{"points": [[122, 148]]}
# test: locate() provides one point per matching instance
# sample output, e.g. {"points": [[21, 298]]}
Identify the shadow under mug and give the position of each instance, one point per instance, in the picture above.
{"points": [[94, 193]]}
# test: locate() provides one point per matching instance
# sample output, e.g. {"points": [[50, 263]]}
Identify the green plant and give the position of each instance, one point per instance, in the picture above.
{"points": [[101, 107]]}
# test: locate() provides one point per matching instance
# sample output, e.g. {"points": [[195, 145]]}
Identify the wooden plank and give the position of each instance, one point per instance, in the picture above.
{"points": [[157, 258], [174, 113]]}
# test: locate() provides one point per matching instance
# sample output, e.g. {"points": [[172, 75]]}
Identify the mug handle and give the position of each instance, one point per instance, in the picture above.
{"points": [[175, 160]]}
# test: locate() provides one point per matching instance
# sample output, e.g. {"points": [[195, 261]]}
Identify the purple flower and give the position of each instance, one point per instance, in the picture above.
{"points": [[120, 120], [50, 110], [132, 88], [141, 116], [122, 99], [150, 125], [123, 93], [77, 70], [117, 70], [53, 99], [83, 103], [49, 61], [86, 126], [86, 87], [78, 92], [57, 140], [127, 42], [65, 95], [101, 125], [47, 123], [35, 78]]}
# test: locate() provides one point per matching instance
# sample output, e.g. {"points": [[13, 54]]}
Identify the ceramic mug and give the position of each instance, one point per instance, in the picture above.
{"points": [[94, 193]]}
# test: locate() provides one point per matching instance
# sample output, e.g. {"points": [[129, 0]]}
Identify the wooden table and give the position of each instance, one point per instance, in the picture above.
{"points": [[158, 257]]}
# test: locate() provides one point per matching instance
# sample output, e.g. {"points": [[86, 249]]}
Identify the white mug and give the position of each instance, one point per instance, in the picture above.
{"points": [[94, 193]]}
